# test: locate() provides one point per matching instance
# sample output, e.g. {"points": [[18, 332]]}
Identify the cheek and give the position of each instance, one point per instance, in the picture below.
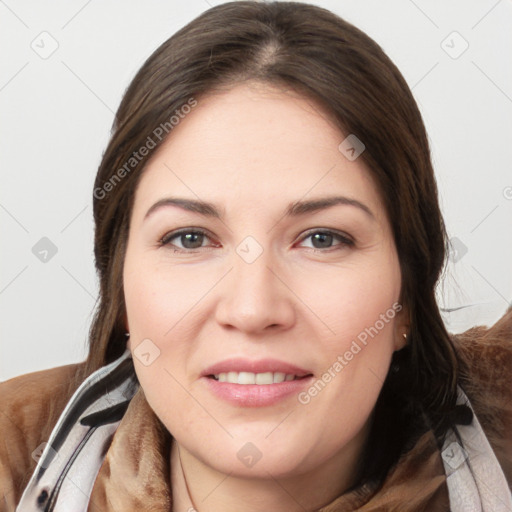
{"points": [[158, 297], [350, 302], [161, 304], [154, 308], [355, 364], [358, 310]]}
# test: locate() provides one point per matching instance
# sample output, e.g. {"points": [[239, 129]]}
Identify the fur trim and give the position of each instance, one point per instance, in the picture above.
{"points": [[486, 376]]}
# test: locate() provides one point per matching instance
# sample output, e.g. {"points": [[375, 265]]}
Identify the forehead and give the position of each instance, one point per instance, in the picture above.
{"points": [[255, 145]]}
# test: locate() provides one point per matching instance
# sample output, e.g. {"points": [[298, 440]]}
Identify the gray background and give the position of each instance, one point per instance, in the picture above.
{"points": [[57, 110]]}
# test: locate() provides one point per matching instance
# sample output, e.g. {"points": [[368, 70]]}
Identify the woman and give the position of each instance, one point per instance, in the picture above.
{"points": [[268, 241]]}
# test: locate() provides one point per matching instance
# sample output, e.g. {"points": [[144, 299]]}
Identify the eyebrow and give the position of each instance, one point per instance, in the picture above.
{"points": [[294, 209]]}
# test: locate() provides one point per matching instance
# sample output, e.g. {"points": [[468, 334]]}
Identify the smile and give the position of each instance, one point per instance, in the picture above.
{"points": [[254, 378]]}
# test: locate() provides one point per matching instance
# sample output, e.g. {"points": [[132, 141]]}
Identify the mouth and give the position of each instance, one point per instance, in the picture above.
{"points": [[249, 383], [243, 371], [261, 379]]}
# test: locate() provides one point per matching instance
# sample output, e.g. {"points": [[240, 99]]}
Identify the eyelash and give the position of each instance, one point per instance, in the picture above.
{"points": [[166, 239]]}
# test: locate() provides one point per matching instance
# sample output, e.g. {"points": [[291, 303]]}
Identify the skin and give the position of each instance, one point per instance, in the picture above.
{"points": [[252, 150]]}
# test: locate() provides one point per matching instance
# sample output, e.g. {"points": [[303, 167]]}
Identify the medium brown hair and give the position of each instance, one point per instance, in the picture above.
{"points": [[310, 50]]}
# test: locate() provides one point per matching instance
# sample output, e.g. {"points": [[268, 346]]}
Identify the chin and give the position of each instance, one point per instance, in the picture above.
{"points": [[255, 456]]}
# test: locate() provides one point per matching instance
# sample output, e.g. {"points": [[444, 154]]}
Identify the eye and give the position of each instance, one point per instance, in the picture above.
{"points": [[189, 239], [323, 239]]}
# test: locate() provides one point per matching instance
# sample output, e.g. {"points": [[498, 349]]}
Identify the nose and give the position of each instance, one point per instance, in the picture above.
{"points": [[255, 297]]}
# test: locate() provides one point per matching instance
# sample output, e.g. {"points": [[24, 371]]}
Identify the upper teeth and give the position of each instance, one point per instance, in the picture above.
{"points": [[253, 378]]}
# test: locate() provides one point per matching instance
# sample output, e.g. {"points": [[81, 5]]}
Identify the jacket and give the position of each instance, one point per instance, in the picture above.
{"points": [[109, 451]]}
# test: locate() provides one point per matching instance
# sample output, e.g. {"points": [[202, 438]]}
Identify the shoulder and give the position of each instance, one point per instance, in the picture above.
{"points": [[486, 357], [486, 376], [488, 351], [30, 405]]}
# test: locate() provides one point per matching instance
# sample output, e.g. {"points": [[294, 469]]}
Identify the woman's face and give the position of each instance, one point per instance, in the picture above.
{"points": [[242, 267]]}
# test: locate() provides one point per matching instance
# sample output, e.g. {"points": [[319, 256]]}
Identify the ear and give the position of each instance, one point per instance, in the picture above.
{"points": [[402, 326], [127, 331]]}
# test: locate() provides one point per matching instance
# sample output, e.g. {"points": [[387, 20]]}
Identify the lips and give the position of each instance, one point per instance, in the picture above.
{"points": [[262, 366], [245, 383], [261, 379]]}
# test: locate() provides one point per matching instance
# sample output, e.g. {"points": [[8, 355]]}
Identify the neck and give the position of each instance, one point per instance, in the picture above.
{"points": [[198, 487]]}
